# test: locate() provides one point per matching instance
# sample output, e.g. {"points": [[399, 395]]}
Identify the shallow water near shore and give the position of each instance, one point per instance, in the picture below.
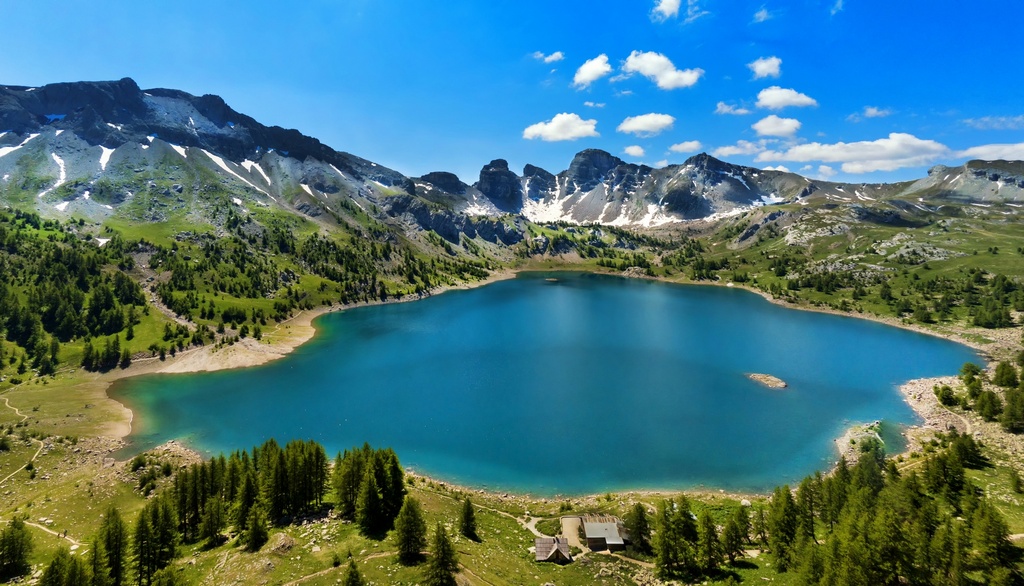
{"points": [[564, 383]]}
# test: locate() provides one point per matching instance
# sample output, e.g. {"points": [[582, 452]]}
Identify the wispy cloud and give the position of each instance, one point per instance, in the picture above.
{"points": [[564, 126], [766, 67], [869, 112], [591, 71], [556, 56], [660, 69], [723, 108], [594, 104], [762, 15], [743, 147], [996, 122], [837, 7], [694, 11]]}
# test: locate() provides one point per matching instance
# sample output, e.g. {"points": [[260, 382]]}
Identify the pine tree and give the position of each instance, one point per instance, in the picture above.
{"points": [[352, 575], [467, 521], [15, 547], [639, 529], [1005, 375], [64, 570], [144, 547], [98, 570], [114, 537], [443, 563], [256, 535], [709, 549], [782, 527], [410, 532], [368, 508], [213, 520], [732, 539]]}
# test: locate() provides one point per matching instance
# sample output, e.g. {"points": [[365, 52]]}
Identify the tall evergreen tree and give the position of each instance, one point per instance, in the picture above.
{"points": [[15, 547], [709, 549], [732, 539], [639, 529], [98, 571], [410, 532], [368, 510], [145, 555], [114, 537], [782, 527], [467, 520], [443, 563], [256, 534]]}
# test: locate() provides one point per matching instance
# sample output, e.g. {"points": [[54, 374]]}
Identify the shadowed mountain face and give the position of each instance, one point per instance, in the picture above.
{"points": [[91, 147]]}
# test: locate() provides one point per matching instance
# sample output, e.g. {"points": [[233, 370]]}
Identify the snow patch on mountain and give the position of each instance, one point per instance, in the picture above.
{"points": [[10, 149], [220, 163], [250, 165], [61, 178], [105, 157]]}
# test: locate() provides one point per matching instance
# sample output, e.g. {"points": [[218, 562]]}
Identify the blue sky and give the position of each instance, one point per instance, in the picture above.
{"points": [[845, 89]]}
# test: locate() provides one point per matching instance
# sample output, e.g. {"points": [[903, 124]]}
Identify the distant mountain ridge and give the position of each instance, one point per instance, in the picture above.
{"points": [[59, 140]]}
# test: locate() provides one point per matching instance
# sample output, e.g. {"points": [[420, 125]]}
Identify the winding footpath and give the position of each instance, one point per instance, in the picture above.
{"points": [[43, 528], [34, 456]]}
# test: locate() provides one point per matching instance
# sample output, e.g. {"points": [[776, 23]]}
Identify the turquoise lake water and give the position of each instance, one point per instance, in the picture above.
{"points": [[564, 383]]}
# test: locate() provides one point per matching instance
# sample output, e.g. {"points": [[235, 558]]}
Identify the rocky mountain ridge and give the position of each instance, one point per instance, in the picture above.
{"points": [[90, 147]]}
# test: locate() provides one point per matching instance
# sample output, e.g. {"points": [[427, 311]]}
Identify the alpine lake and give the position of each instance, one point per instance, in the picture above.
{"points": [[565, 383]]}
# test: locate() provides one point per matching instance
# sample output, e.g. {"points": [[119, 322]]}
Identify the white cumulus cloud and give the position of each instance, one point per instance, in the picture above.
{"points": [[723, 108], [777, 98], [659, 69], [591, 71], [775, 126], [563, 126], [825, 172], [782, 168], [884, 154], [766, 67], [762, 15], [688, 146], [661, 164], [594, 104], [665, 9], [556, 56], [634, 151], [993, 152], [646, 124]]}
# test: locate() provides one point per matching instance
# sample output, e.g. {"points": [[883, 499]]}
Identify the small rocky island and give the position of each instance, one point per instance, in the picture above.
{"points": [[772, 382]]}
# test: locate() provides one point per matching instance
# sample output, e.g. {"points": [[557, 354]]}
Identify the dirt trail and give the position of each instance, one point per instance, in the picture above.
{"points": [[340, 568], [55, 533]]}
